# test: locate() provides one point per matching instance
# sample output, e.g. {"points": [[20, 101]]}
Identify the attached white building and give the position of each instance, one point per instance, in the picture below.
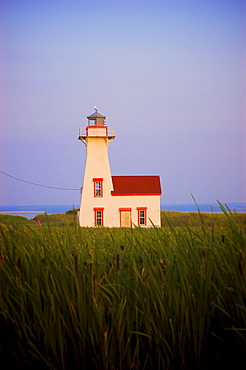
{"points": [[113, 201]]}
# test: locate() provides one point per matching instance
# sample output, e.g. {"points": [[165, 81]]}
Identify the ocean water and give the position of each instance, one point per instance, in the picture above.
{"points": [[32, 211], [206, 207]]}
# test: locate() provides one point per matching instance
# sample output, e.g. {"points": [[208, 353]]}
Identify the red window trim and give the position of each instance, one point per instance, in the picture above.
{"points": [[95, 180], [145, 216], [95, 215]]}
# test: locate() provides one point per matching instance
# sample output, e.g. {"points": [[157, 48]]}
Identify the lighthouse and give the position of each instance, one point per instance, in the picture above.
{"points": [[114, 201], [97, 183]]}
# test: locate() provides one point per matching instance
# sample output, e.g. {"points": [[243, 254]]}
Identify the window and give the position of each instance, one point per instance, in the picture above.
{"points": [[91, 122], [98, 189], [142, 216], [98, 214]]}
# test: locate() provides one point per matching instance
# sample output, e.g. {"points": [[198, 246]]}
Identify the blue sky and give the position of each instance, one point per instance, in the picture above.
{"points": [[169, 75]]}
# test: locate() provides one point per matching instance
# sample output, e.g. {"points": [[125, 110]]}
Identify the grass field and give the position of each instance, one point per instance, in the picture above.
{"points": [[98, 298]]}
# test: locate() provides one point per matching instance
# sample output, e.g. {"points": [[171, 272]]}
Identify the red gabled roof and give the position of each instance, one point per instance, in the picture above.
{"points": [[136, 185]]}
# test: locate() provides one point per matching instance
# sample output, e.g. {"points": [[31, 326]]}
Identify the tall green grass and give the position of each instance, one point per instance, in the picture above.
{"points": [[98, 298]]}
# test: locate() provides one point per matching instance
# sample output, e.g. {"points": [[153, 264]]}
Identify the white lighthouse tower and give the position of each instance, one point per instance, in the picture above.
{"points": [[97, 184]]}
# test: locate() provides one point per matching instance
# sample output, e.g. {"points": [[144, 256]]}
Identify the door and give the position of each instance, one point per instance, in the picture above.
{"points": [[125, 219]]}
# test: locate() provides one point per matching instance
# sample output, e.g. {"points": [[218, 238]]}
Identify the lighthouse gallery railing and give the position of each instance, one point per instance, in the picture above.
{"points": [[97, 131]]}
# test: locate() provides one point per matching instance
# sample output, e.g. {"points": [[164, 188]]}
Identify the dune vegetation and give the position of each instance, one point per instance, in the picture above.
{"points": [[98, 298]]}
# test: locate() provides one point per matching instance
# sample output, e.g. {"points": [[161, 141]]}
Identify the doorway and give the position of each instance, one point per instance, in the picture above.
{"points": [[125, 218]]}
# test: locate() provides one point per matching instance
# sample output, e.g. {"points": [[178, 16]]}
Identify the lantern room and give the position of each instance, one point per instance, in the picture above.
{"points": [[96, 119]]}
